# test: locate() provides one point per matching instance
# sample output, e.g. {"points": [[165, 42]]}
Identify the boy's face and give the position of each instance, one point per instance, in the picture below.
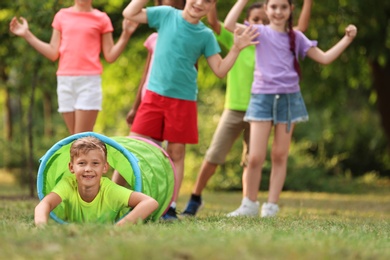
{"points": [[89, 167], [197, 9], [258, 16]]}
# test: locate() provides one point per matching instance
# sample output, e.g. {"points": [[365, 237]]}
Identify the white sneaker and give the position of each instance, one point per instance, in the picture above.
{"points": [[269, 210], [247, 208]]}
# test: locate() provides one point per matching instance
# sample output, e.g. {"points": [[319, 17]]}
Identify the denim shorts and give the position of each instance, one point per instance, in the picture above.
{"points": [[278, 108]]}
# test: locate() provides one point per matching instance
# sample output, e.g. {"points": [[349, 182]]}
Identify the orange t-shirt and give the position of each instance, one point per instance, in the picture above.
{"points": [[81, 41]]}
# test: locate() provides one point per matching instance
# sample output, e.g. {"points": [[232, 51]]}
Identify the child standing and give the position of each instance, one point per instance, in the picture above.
{"points": [[89, 197], [150, 45], [276, 100], [80, 33], [239, 82], [168, 110]]}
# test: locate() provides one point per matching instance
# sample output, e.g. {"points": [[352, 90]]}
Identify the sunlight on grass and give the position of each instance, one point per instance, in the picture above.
{"points": [[309, 226]]}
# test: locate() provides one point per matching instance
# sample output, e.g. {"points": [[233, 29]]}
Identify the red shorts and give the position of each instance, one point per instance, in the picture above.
{"points": [[167, 119]]}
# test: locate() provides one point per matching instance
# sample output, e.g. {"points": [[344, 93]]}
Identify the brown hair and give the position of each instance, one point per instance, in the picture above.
{"points": [[86, 144], [253, 6], [179, 4]]}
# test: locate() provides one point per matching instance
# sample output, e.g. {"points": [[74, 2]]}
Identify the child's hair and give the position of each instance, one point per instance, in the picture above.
{"points": [[253, 6], [291, 35], [175, 3], [86, 144]]}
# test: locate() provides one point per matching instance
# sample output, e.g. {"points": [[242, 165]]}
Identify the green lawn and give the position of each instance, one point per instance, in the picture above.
{"points": [[310, 226]]}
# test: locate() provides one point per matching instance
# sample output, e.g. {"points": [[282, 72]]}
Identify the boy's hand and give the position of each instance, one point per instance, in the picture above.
{"points": [[129, 26], [246, 37], [351, 31], [18, 28]]}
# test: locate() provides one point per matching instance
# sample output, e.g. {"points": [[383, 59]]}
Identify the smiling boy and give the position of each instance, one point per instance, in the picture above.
{"points": [[90, 197]]}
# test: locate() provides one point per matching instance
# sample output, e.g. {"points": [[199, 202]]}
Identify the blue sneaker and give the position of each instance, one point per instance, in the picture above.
{"points": [[192, 208], [170, 215]]}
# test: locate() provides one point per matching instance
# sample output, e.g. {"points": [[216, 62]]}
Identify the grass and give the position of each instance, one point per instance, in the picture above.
{"points": [[310, 226]]}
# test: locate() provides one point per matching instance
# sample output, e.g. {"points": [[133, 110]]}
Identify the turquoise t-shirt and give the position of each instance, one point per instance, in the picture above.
{"points": [[240, 77], [105, 208], [180, 44]]}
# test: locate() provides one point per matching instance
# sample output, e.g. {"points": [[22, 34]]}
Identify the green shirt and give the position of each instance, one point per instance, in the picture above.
{"points": [[105, 208], [240, 77]]}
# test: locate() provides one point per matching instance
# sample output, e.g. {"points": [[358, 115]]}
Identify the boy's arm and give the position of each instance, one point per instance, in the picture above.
{"points": [[230, 22], [44, 207], [49, 50], [112, 51], [212, 19], [134, 11], [142, 205], [333, 53], [304, 17], [221, 66]]}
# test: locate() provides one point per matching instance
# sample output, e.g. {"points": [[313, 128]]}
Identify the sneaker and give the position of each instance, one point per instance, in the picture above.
{"points": [[269, 210], [170, 215], [248, 208], [192, 208]]}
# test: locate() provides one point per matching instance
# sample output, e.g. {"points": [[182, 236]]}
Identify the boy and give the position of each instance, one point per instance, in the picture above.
{"points": [[88, 197], [168, 110]]}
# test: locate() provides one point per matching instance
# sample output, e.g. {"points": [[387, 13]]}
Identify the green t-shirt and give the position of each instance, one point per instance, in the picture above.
{"points": [[240, 77], [105, 208]]}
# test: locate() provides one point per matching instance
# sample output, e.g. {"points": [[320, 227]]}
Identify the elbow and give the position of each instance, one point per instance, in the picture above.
{"points": [[220, 75], [229, 27], [54, 57]]}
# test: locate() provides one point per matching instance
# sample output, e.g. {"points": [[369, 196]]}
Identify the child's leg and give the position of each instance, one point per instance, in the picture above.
{"points": [[85, 120], [177, 152], [259, 134], [69, 121], [279, 157]]}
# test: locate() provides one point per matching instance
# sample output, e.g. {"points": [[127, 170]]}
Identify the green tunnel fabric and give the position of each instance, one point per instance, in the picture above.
{"points": [[145, 167]]}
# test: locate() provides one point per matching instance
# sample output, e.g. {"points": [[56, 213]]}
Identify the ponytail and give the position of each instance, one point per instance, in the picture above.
{"points": [[291, 35]]}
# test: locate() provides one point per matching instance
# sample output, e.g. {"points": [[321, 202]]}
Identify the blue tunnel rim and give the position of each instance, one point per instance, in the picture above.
{"points": [[108, 141]]}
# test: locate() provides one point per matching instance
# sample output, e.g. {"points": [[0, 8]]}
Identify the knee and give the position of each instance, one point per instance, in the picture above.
{"points": [[279, 156]]}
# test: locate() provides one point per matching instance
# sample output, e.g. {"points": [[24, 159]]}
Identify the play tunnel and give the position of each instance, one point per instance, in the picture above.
{"points": [[145, 166]]}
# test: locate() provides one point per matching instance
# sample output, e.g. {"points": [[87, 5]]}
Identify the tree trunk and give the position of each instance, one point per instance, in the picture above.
{"points": [[381, 83], [47, 113]]}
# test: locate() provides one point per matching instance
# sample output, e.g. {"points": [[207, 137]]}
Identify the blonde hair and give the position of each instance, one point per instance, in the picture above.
{"points": [[86, 144]]}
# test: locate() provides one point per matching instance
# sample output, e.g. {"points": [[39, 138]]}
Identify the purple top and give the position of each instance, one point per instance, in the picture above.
{"points": [[274, 71]]}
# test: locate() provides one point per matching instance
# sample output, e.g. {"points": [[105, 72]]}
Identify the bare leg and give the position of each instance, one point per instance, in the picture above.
{"points": [[279, 157], [85, 120], [177, 153], [259, 134], [206, 171], [118, 179], [69, 118]]}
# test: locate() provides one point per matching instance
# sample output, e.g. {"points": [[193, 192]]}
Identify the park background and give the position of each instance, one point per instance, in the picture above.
{"points": [[344, 148]]}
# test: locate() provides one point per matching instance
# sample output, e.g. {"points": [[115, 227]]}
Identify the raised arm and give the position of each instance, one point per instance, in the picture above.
{"points": [[137, 102], [134, 11], [142, 205], [333, 53], [44, 207], [304, 17], [220, 66], [212, 19], [231, 19], [112, 51], [49, 50]]}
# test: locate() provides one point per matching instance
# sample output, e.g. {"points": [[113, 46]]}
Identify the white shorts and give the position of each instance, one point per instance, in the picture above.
{"points": [[79, 93]]}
